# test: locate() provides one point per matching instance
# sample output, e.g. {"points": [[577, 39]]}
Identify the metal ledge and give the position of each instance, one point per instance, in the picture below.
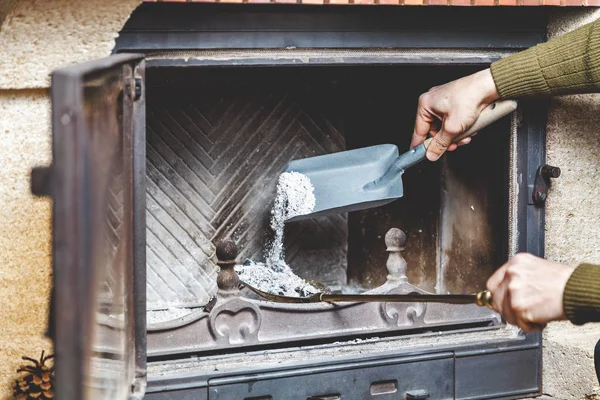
{"points": [[466, 347], [194, 26], [323, 57]]}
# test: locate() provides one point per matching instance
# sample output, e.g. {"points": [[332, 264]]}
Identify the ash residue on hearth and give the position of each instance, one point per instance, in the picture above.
{"points": [[276, 279]]}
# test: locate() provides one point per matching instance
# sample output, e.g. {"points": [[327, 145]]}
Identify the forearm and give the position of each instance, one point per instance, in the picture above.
{"points": [[581, 299], [565, 65]]}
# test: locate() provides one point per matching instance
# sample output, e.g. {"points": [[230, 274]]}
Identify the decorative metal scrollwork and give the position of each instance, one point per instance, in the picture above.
{"points": [[235, 322]]}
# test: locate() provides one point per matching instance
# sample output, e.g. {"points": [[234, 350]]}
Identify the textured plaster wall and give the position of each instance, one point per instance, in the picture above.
{"points": [[36, 36], [572, 221], [24, 229], [41, 35]]}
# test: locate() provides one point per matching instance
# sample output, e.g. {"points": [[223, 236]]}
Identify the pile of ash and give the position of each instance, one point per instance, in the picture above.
{"points": [[277, 279]]}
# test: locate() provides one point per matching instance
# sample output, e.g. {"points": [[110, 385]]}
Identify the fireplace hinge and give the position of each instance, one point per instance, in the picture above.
{"points": [[137, 89], [541, 184], [134, 88]]}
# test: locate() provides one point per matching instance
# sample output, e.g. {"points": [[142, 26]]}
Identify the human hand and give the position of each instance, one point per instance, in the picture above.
{"points": [[448, 110], [528, 291]]}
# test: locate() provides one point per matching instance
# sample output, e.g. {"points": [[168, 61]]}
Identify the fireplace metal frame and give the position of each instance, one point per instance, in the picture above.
{"points": [[178, 35], [77, 181]]}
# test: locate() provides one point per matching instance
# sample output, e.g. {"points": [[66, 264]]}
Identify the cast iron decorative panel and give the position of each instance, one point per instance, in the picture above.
{"points": [[213, 164]]}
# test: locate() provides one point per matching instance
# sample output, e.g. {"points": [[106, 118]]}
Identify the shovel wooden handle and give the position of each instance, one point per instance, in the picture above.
{"points": [[482, 299], [490, 114]]}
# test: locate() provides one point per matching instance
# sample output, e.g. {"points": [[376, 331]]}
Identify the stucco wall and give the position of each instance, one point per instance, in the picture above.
{"points": [[572, 220], [24, 230], [36, 37], [41, 35]]}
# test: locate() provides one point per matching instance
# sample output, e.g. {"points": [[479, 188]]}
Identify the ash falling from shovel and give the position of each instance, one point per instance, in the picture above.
{"points": [[294, 196]]}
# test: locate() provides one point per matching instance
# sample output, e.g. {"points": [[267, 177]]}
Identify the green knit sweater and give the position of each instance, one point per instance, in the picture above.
{"points": [[568, 64]]}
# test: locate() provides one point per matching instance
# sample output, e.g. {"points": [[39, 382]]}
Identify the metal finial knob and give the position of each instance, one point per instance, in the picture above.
{"points": [[395, 240], [228, 280], [227, 250]]}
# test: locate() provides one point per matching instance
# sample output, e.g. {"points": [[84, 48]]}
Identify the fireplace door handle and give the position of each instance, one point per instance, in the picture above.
{"points": [[490, 114]]}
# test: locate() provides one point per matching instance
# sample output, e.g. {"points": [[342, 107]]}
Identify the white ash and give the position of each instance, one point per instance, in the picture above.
{"points": [[277, 279], [295, 196], [358, 341], [352, 289], [155, 317]]}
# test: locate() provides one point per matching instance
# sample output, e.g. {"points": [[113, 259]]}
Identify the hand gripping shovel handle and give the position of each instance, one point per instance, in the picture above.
{"points": [[490, 114], [483, 299]]}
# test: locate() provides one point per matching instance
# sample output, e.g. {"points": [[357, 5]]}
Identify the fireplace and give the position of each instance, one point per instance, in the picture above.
{"points": [[248, 123], [232, 93]]}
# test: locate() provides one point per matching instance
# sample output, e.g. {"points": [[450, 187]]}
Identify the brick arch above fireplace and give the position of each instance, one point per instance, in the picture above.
{"points": [[573, 3]]}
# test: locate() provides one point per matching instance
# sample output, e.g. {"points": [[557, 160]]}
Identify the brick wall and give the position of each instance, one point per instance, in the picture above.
{"points": [[410, 2]]}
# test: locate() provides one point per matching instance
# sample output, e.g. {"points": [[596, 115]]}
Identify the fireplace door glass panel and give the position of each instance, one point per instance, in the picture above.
{"points": [[91, 181]]}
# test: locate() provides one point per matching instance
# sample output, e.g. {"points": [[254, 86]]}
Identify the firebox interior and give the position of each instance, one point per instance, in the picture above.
{"points": [[217, 139]]}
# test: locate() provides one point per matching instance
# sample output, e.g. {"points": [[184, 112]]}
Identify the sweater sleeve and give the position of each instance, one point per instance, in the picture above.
{"points": [[581, 298], [568, 64]]}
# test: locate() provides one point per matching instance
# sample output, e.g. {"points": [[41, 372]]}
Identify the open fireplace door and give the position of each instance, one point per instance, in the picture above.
{"points": [[96, 181]]}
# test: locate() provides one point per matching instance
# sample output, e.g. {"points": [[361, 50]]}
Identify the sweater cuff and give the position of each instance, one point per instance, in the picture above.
{"points": [[519, 76], [581, 299]]}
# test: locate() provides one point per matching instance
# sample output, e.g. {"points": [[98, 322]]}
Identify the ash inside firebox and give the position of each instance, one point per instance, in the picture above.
{"points": [[276, 279], [158, 316], [294, 196]]}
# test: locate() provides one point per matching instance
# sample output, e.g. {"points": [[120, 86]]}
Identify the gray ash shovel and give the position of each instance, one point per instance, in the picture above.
{"points": [[372, 176]]}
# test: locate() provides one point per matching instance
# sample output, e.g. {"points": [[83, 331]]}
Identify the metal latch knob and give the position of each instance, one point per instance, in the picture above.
{"points": [[541, 183]]}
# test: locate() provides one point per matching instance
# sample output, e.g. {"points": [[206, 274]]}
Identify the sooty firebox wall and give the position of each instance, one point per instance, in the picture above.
{"points": [[217, 139]]}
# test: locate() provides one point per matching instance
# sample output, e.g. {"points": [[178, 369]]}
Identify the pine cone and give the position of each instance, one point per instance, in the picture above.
{"points": [[37, 380]]}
